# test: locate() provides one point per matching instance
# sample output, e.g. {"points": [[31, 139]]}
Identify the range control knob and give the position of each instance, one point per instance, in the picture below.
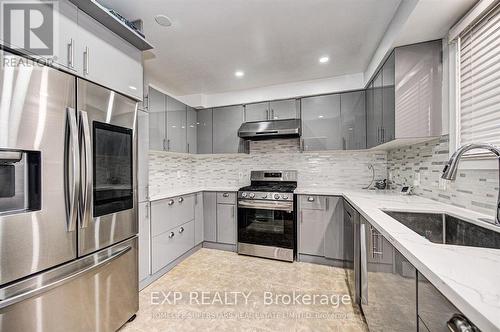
{"points": [[276, 196], [243, 195], [284, 196], [264, 196], [252, 195]]}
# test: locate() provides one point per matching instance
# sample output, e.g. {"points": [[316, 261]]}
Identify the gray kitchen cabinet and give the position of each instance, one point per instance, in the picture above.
{"points": [[210, 216], [272, 110], [353, 115], [371, 123], [204, 131], [171, 244], [388, 100], [144, 241], [312, 224], [434, 309], [192, 130], [257, 112], [108, 59], [388, 296], [226, 223], [284, 109], [171, 212], [335, 232], [379, 250], [157, 120], [378, 106], [142, 156], [226, 122], [65, 52], [321, 123], [198, 218], [176, 125]]}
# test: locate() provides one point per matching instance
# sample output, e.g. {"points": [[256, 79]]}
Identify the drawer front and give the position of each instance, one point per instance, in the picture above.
{"points": [[171, 244], [169, 213], [226, 197], [312, 202]]}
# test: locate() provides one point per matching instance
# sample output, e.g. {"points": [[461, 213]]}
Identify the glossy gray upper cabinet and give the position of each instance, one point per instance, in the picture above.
{"points": [[226, 122], [272, 110], [378, 106], [257, 112], [418, 93], [156, 110], [353, 114], [371, 125], [388, 100], [204, 131], [283, 109], [321, 123], [176, 126], [192, 130]]}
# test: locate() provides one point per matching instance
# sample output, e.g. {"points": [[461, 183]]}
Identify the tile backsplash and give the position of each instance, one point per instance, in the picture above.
{"points": [[473, 189], [322, 169]]}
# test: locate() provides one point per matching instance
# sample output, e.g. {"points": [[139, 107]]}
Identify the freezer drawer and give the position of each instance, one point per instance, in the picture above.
{"points": [[95, 293]]}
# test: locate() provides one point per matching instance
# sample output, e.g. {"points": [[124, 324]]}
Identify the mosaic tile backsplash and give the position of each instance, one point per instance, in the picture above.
{"points": [[323, 169], [473, 189]]}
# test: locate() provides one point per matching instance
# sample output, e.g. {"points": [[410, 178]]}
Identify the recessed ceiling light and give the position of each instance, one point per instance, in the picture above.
{"points": [[239, 73], [163, 20], [324, 59]]}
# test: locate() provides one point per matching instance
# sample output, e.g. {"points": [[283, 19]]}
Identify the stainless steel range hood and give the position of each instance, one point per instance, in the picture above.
{"points": [[258, 130]]}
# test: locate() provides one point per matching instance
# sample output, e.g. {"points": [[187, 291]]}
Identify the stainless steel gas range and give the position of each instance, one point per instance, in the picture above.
{"points": [[267, 215]]}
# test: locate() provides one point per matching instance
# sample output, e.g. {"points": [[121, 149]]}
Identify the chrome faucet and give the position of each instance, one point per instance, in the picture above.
{"points": [[450, 169]]}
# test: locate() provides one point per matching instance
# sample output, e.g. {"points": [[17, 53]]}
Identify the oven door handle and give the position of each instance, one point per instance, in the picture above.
{"points": [[266, 205]]}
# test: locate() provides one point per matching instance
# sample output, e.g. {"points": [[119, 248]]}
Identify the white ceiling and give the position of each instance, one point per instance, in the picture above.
{"points": [[272, 41]]}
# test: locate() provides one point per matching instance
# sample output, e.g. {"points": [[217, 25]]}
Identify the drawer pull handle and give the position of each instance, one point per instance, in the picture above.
{"points": [[181, 230], [171, 202], [310, 199], [225, 195], [181, 199], [171, 235]]}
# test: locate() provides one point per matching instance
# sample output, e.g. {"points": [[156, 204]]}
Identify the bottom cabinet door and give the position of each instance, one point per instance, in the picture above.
{"points": [[226, 223], [171, 244], [210, 216], [312, 232], [390, 302]]}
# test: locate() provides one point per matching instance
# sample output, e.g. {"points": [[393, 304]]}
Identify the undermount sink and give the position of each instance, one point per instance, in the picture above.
{"points": [[446, 229]]}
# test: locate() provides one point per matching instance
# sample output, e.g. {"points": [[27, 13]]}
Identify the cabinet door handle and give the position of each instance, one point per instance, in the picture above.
{"points": [[86, 61], [171, 235], [71, 54], [147, 210], [383, 134], [164, 146], [272, 114], [181, 230], [310, 199], [168, 145], [233, 213], [267, 115], [225, 195], [181, 199], [188, 148], [171, 202]]}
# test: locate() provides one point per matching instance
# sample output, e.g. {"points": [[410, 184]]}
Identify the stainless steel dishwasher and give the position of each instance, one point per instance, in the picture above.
{"points": [[352, 251]]}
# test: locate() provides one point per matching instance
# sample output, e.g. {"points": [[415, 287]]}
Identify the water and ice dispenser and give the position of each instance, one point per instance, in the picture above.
{"points": [[19, 181]]}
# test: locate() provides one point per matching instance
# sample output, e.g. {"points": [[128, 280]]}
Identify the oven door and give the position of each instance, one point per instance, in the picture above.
{"points": [[266, 223]]}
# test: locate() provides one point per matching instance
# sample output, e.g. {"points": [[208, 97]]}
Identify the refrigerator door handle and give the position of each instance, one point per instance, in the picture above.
{"points": [[34, 288], [73, 178], [86, 187]]}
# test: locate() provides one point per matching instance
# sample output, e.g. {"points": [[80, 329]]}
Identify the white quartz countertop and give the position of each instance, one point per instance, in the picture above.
{"points": [[189, 190], [469, 277]]}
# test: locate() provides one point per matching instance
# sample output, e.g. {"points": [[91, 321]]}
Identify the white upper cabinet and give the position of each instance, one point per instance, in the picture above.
{"points": [[107, 59], [65, 53]]}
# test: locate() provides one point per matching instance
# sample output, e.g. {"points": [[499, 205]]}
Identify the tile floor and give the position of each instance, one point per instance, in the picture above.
{"points": [[215, 290]]}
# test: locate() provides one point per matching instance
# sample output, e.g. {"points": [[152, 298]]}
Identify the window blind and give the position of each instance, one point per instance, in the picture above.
{"points": [[479, 117]]}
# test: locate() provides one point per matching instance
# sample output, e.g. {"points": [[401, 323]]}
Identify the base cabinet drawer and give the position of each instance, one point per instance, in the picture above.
{"points": [[169, 213], [226, 197], [171, 244]]}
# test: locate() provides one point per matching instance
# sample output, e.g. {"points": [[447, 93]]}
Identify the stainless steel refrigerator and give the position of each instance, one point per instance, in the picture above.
{"points": [[68, 202]]}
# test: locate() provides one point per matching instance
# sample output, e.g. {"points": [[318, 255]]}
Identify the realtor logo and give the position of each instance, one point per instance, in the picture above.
{"points": [[29, 25]]}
